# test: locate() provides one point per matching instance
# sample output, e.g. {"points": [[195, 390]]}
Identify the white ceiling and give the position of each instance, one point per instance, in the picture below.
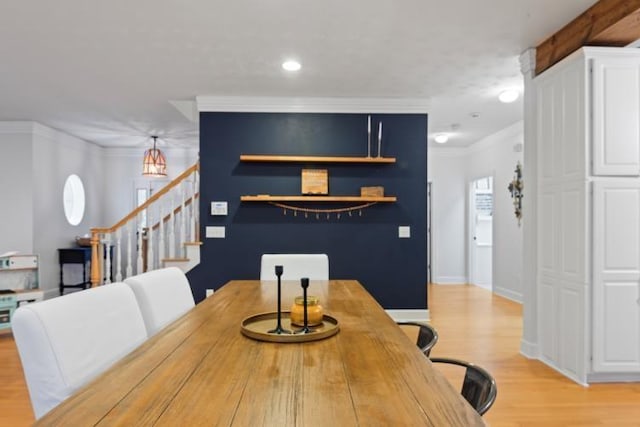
{"points": [[106, 71]]}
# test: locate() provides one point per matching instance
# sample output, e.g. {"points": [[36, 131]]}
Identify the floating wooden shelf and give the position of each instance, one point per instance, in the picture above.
{"points": [[314, 159], [269, 198]]}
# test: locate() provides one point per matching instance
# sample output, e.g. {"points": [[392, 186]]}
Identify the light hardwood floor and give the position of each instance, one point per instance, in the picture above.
{"points": [[473, 324]]}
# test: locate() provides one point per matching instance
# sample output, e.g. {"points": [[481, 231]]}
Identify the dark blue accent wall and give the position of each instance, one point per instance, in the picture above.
{"points": [[366, 247]]}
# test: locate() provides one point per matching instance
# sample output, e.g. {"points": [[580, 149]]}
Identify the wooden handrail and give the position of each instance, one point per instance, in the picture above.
{"points": [[149, 201], [96, 231]]}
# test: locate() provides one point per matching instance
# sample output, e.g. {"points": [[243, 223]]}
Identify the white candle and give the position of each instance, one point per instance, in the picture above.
{"points": [[369, 125], [379, 137]]}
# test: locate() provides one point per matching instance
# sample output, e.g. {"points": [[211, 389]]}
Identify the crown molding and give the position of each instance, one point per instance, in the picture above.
{"points": [[16, 127], [139, 151], [311, 105], [447, 151], [528, 61], [514, 131]]}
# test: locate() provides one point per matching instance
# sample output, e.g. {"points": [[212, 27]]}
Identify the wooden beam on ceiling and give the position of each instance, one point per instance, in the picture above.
{"points": [[606, 23]]}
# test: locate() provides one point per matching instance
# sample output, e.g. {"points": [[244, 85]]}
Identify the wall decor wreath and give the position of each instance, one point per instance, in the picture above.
{"points": [[515, 188]]}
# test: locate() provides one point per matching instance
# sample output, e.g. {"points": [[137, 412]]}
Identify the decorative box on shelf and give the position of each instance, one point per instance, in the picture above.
{"points": [[315, 181], [372, 191]]}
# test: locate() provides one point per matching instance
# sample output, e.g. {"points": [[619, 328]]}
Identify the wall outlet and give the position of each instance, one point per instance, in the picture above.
{"points": [[208, 292], [215, 232], [404, 232]]}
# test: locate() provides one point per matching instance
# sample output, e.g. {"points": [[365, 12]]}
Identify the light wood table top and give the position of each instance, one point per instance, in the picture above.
{"points": [[201, 370]]}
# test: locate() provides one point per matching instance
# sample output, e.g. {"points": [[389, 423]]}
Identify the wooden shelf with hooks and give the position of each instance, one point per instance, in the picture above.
{"points": [[270, 198], [314, 159]]}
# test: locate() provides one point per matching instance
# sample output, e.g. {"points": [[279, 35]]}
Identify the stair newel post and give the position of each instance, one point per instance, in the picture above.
{"points": [[161, 242], [95, 258], [107, 258], [192, 212], [129, 268], [150, 252], [172, 227], [182, 222], [119, 255], [196, 197], [139, 264]]}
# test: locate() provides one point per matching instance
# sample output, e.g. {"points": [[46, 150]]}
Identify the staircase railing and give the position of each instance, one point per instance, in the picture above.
{"points": [[174, 207]]}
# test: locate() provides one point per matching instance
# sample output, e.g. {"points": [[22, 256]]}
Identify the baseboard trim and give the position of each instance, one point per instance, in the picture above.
{"points": [[528, 349], [561, 371], [508, 294], [450, 280], [613, 377], [51, 293], [409, 315]]}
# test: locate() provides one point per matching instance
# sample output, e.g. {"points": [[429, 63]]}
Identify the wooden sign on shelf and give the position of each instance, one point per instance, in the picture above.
{"points": [[315, 181], [372, 191]]}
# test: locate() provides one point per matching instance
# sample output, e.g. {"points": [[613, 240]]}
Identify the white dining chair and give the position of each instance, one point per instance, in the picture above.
{"points": [[67, 341], [163, 295], [295, 266]]}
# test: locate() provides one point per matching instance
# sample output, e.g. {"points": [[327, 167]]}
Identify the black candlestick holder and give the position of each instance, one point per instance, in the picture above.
{"points": [[304, 282], [279, 329]]}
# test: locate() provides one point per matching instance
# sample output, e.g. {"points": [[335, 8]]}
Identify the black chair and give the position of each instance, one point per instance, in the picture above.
{"points": [[479, 387], [427, 336]]}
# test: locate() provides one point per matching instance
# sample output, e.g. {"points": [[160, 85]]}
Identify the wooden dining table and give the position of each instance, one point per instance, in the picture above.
{"points": [[201, 370]]}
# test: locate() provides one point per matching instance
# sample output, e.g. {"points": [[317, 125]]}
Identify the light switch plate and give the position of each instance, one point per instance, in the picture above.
{"points": [[218, 208], [215, 232], [404, 232]]}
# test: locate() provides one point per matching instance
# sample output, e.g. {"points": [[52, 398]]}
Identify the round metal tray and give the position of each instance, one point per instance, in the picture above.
{"points": [[258, 325]]}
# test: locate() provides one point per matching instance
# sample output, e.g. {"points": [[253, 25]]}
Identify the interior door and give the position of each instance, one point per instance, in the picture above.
{"points": [[481, 231]]}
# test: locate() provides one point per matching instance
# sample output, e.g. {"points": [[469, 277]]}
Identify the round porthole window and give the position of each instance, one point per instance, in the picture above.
{"points": [[73, 198]]}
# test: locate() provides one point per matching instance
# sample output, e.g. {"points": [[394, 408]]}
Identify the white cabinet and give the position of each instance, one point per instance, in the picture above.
{"points": [[588, 214], [616, 116], [616, 276]]}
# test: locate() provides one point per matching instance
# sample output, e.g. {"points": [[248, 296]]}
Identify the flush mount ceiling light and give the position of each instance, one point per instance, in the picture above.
{"points": [[508, 96], [291, 65], [441, 138], [154, 164]]}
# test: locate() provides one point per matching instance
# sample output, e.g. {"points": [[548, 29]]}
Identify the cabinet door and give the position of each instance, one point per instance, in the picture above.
{"points": [[616, 276], [616, 116]]}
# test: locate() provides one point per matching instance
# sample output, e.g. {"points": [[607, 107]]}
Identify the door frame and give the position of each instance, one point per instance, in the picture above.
{"points": [[471, 212]]}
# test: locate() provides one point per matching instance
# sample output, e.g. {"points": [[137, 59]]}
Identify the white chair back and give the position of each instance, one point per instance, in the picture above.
{"points": [[67, 341], [295, 266], [163, 295]]}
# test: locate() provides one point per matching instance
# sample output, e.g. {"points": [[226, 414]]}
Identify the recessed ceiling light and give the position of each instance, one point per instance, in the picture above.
{"points": [[291, 65], [508, 96], [441, 138]]}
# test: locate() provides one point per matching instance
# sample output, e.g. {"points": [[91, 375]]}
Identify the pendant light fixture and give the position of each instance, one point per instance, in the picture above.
{"points": [[154, 163]]}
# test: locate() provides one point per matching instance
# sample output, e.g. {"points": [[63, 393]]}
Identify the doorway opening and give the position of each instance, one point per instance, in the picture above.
{"points": [[481, 232]]}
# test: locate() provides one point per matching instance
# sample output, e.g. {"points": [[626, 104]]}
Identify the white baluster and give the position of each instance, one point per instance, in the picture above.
{"points": [[150, 253], [160, 234], [139, 264], [172, 228], [129, 271], [196, 197], [182, 223], [192, 216], [119, 255], [107, 263]]}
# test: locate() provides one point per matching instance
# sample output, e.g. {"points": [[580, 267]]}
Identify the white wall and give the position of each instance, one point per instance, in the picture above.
{"points": [[448, 225], [35, 161], [16, 201], [57, 155], [495, 156], [452, 171]]}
